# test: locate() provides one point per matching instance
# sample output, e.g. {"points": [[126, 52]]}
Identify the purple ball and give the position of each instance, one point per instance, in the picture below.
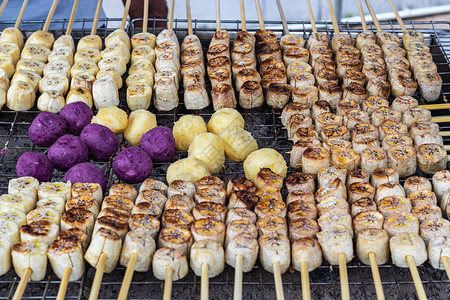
{"points": [[77, 116], [100, 140], [34, 164], [159, 144], [133, 165], [86, 173], [67, 151], [46, 128]]}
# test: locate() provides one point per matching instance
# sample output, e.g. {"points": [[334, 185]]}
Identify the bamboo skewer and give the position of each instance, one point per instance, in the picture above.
{"points": [[168, 284], [172, 5], [243, 22], [145, 17], [306, 289], [311, 17], [283, 18], [2, 8], [96, 16], [440, 119], [72, 17], [260, 15], [50, 16], [416, 278], [204, 287], [64, 284], [22, 284], [101, 266], [125, 15], [189, 19], [278, 282], [397, 15], [446, 264], [361, 15], [436, 106], [345, 292], [374, 16], [20, 16], [218, 25], [333, 17], [123, 293], [238, 278], [376, 276]]}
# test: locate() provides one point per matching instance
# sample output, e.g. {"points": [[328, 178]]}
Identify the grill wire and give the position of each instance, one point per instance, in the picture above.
{"points": [[266, 127]]}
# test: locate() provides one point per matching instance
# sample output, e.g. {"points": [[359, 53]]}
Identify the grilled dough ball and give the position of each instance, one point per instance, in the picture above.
{"points": [[188, 169], [223, 118], [139, 122], [208, 147], [238, 143], [264, 158], [185, 129], [112, 117]]}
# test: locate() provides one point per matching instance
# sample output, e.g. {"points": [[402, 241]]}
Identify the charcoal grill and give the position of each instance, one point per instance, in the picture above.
{"points": [[265, 125]]}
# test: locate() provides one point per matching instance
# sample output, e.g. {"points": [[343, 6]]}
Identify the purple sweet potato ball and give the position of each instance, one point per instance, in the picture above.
{"points": [[34, 164], [67, 151], [132, 165], [86, 173], [159, 144], [100, 140], [46, 128], [77, 116]]}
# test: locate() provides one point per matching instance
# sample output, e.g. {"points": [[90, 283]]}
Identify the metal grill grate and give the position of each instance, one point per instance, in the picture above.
{"points": [[266, 127]]}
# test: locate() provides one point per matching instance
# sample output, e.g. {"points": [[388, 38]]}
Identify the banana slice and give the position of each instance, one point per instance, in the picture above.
{"points": [[142, 65], [166, 96], [147, 208], [315, 159], [327, 175], [75, 235], [5, 253], [176, 238], [22, 201], [104, 241], [308, 250], [139, 96], [426, 196], [26, 76], [334, 241], [357, 175], [55, 189], [360, 190], [94, 190], [240, 213], [209, 181], [182, 202], [90, 41], [116, 213], [10, 50], [66, 253], [394, 204], [9, 231], [361, 205], [405, 244], [274, 248], [367, 219], [63, 53], [116, 50], [165, 258], [426, 211], [118, 36], [269, 207], [83, 201], [242, 244], [390, 188], [208, 229], [84, 66], [441, 183], [118, 226], [138, 242], [56, 203], [111, 71], [299, 195], [143, 52], [54, 82], [419, 128], [345, 158], [64, 41], [434, 228], [272, 224], [27, 185], [118, 63], [7, 65], [143, 39], [148, 223], [14, 215], [336, 218], [51, 101], [180, 187], [210, 194], [80, 94], [124, 190], [59, 67], [21, 96], [299, 209], [40, 37], [431, 158], [32, 255], [372, 240], [373, 158], [401, 223], [141, 77], [240, 184], [152, 184], [88, 54], [39, 231], [438, 248], [78, 218], [330, 204], [213, 210], [301, 228], [36, 51], [266, 177], [153, 196], [4, 81], [105, 93], [12, 35], [383, 175], [82, 79], [334, 189], [177, 218], [44, 214], [207, 252]]}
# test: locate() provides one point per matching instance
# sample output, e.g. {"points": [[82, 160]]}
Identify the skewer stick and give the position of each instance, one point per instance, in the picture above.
{"points": [[238, 278], [345, 292], [436, 106], [168, 284], [447, 147], [440, 119], [123, 293], [376, 275], [218, 25], [20, 16], [306, 290], [64, 283], [72, 17], [2, 8], [283, 18], [101, 266], [243, 22], [22, 284], [125, 14], [96, 16], [172, 7], [361, 15], [204, 288], [397, 15], [446, 264], [278, 283], [374, 16], [416, 277], [189, 19], [333, 17], [145, 18], [260, 15], [50, 16], [311, 17]]}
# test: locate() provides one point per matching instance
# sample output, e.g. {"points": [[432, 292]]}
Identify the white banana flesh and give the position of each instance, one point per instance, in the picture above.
{"points": [[24, 202], [26, 76], [43, 38], [89, 54], [118, 63], [274, 248], [12, 35], [441, 183], [111, 72], [166, 258], [437, 249], [64, 41], [51, 101], [139, 96], [55, 189], [13, 214], [59, 67], [66, 253], [44, 214], [403, 245], [237, 227], [10, 50], [41, 231], [334, 241], [27, 185], [30, 255], [182, 188], [118, 36], [207, 252], [143, 39], [57, 203], [36, 51], [80, 94], [84, 66], [4, 82], [177, 238], [306, 250], [5, 255], [431, 229], [63, 53], [78, 218], [105, 93], [82, 79], [90, 41], [54, 82], [245, 245], [9, 231], [372, 240], [7, 65], [104, 241], [139, 243]]}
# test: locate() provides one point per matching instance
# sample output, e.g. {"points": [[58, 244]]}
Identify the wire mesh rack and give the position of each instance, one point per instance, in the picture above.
{"points": [[265, 126]]}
